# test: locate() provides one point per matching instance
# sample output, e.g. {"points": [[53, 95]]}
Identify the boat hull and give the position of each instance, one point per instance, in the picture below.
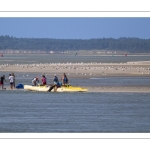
{"points": [[37, 88]]}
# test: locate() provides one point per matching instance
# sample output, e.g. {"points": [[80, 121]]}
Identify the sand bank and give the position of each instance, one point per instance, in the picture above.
{"points": [[118, 89], [82, 70]]}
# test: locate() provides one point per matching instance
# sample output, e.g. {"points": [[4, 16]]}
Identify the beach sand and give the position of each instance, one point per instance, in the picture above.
{"points": [[87, 70]]}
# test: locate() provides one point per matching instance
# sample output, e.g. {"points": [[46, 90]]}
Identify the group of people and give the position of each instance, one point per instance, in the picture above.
{"points": [[35, 81], [64, 80], [11, 81], [56, 83]]}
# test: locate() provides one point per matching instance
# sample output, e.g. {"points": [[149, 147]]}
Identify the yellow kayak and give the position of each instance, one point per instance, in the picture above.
{"points": [[46, 88], [71, 89]]}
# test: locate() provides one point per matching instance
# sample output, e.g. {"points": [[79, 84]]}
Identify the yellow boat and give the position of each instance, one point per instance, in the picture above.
{"points": [[46, 88]]}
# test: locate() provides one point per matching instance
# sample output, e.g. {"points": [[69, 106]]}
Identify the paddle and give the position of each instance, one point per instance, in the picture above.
{"points": [[51, 88]]}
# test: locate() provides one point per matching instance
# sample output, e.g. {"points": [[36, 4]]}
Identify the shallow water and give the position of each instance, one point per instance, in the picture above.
{"points": [[25, 78], [62, 58], [23, 111]]}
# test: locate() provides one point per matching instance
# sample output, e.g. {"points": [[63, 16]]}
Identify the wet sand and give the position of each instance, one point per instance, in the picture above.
{"points": [[105, 89], [118, 89]]}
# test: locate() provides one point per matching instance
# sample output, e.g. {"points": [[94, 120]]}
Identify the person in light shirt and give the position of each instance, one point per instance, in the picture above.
{"points": [[11, 81], [34, 81]]}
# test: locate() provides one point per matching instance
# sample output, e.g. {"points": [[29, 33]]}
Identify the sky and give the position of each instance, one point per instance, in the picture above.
{"points": [[75, 27]]}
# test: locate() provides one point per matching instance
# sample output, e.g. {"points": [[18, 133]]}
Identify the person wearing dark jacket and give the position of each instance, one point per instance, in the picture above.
{"points": [[56, 84], [2, 81], [64, 79]]}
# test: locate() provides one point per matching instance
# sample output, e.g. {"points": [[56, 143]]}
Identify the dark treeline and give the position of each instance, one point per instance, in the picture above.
{"points": [[133, 45]]}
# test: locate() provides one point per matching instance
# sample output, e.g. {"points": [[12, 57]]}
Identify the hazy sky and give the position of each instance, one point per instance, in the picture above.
{"points": [[75, 28]]}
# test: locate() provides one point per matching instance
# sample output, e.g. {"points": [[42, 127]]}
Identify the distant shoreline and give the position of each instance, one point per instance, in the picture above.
{"points": [[73, 54]]}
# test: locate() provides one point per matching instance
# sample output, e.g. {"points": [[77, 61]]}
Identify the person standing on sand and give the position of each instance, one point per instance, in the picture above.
{"points": [[2, 81], [11, 80], [14, 80]]}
